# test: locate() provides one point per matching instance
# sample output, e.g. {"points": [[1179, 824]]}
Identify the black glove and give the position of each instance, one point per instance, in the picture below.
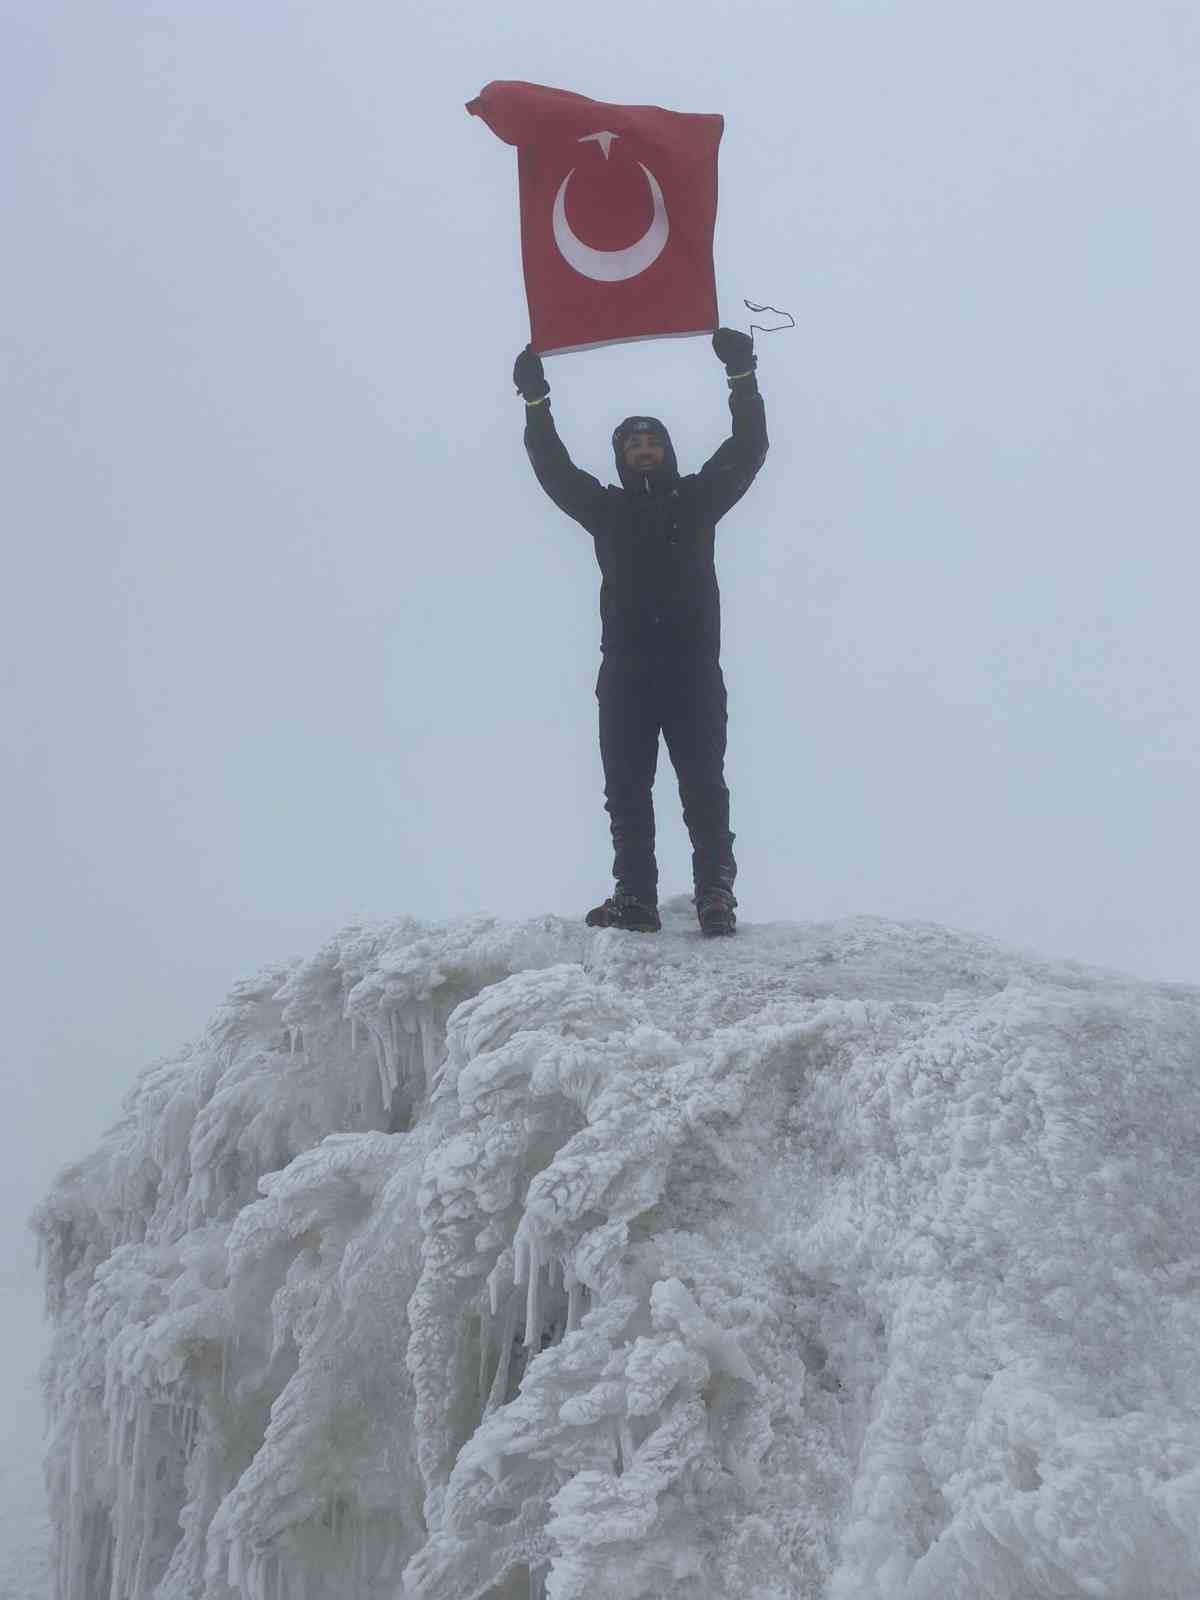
{"points": [[735, 349], [529, 377]]}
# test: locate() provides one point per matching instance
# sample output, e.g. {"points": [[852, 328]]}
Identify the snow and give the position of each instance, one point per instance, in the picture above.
{"points": [[469, 1262]]}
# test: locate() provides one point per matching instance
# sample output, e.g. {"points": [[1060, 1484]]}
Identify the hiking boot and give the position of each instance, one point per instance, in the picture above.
{"points": [[714, 909], [625, 910]]}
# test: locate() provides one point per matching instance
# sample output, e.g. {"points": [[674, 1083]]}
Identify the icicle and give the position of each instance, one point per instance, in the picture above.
{"points": [[574, 1300], [485, 1339], [145, 1481], [533, 1315], [116, 1429], [625, 1444], [64, 1556], [428, 1044], [121, 1545], [138, 1587], [353, 1035], [404, 1059], [387, 1041], [503, 1366], [109, 1405], [71, 1552], [75, 1469], [520, 1261], [385, 1087]]}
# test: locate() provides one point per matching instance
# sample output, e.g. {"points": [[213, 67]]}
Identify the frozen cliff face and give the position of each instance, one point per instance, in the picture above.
{"points": [[482, 1261]]}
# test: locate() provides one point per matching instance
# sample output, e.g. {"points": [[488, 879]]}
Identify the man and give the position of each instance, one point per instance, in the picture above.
{"points": [[661, 629]]}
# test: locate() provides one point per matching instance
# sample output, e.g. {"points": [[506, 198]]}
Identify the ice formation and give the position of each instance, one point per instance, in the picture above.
{"points": [[478, 1261]]}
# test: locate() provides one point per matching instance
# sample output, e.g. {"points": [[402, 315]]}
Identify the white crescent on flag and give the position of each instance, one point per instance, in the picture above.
{"points": [[612, 266]]}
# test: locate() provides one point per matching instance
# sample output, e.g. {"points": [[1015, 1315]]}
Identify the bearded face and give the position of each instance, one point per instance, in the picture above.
{"points": [[643, 452]]}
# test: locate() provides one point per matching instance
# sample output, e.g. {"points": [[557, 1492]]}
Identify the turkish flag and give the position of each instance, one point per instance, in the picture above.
{"points": [[618, 207]]}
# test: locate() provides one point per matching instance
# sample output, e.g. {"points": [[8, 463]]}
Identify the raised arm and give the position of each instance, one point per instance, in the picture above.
{"points": [[574, 491], [726, 475]]}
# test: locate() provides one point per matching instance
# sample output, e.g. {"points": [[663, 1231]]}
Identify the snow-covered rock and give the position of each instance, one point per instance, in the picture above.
{"points": [[857, 1261]]}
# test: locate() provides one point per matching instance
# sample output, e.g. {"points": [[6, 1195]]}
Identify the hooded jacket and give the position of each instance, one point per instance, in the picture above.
{"points": [[654, 535]]}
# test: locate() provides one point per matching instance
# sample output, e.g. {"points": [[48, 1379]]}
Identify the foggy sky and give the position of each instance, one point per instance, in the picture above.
{"points": [[291, 635]]}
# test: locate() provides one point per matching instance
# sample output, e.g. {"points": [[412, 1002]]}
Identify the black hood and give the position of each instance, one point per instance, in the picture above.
{"points": [[661, 477]]}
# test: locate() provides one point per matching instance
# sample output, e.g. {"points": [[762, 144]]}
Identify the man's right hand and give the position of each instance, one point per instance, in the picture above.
{"points": [[529, 376]]}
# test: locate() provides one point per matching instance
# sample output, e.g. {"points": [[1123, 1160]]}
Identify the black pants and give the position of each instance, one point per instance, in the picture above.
{"points": [[683, 698]]}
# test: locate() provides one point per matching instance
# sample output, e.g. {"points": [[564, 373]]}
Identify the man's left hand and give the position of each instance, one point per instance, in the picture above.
{"points": [[735, 349]]}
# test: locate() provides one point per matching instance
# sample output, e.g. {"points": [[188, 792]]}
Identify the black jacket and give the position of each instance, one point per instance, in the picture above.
{"points": [[654, 537]]}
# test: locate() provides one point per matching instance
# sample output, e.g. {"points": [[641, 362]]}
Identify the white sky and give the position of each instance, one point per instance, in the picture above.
{"points": [[290, 634]]}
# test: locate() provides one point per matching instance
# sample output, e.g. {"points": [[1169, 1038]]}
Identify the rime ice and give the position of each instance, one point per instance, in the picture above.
{"points": [[480, 1261]]}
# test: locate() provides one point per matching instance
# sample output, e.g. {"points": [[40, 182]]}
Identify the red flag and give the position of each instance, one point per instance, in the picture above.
{"points": [[618, 207]]}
